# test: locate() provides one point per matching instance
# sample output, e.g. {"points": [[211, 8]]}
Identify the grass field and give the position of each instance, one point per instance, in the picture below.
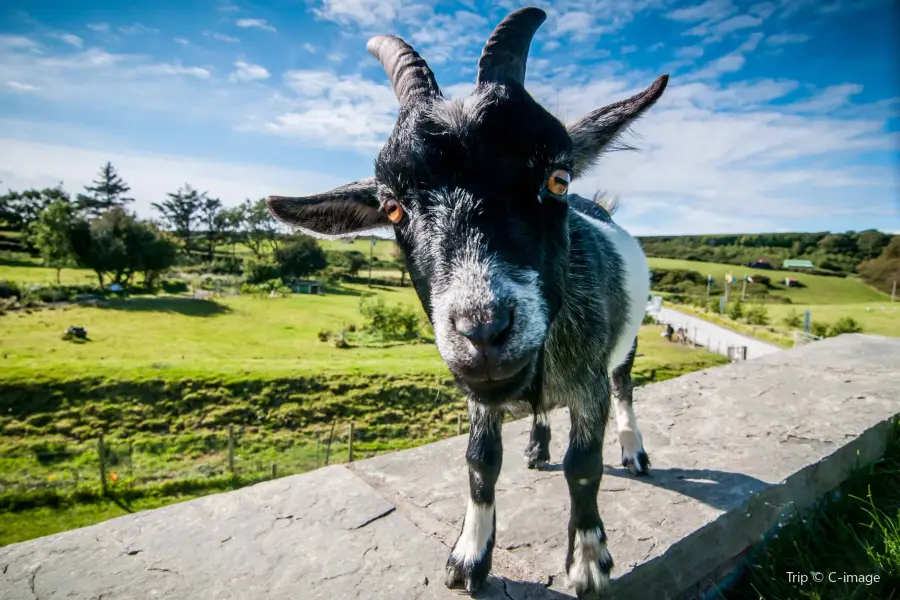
{"points": [[818, 289]]}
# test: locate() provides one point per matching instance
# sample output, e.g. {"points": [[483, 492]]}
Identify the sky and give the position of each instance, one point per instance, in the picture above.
{"points": [[780, 115]]}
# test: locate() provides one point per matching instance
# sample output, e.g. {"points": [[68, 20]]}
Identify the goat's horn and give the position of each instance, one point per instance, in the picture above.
{"points": [[409, 73], [506, 51]]}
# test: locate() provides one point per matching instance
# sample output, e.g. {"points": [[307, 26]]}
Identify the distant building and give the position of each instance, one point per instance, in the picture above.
{"points": [[793, 263], [759, 264], [306, 286], [791, 282]]}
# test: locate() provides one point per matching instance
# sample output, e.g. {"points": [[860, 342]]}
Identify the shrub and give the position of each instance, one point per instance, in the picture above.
{"points": [[300, 257], [648, 319], [735, 310], [272, 287], [324, 335], [818, 328], [844, 325], [9, 289], [794, 319], [174, 286], [758, 315], [256, 271], [391, 322]]}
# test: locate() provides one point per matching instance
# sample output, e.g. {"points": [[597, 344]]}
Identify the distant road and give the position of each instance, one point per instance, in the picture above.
{"points": [[714, 337]]}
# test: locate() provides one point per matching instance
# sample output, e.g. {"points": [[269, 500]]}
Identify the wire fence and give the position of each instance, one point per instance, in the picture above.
{"points": [[167, 464]]}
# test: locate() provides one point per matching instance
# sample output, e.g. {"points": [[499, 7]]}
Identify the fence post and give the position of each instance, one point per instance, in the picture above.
{"points": [[350, 444], [274, 471], [131, 460], [330, 437], [231, 448], [318, 443], [101, 454], [458, 423]]}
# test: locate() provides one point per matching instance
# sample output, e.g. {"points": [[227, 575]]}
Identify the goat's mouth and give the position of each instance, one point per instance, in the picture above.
{"points": [[498, 385]]}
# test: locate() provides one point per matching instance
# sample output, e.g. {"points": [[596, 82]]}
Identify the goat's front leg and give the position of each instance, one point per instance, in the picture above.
{"points": [[470, 560], [588, 562], [537, 452], [634, 457]]}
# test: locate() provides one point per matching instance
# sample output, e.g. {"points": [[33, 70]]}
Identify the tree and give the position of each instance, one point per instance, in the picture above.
{"points": [[212, 219], [51, 234], [259, 226], [883, 271], [180, 212], [18, 210], [399, 260], [106, 193], [300, 257], [871, 242], [233, 224], [119, 245]]}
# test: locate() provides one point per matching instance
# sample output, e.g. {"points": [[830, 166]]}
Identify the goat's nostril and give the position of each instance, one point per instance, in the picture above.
{"points": [[484, 333]]}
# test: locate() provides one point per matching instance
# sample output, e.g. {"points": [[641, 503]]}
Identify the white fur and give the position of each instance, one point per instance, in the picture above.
{"points": [[636, 282], [629, 434], [477, 530], [588, 550]]}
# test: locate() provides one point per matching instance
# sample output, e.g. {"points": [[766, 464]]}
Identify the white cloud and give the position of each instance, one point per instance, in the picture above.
{"points": [[181, 41], [364, 13], [309, 48], [689, 52], [98, 27], [709, 10], [257, 23], [221, 37], [780, 39], [177, 69], [137, 29], [828, 100], [72, 40], [628, 49], [28, 164], [22, 87], [17, 42], [248, 72], [655, 47]]}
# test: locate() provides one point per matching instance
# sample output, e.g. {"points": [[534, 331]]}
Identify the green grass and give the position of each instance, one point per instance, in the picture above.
{"points": [[856, 534], [818, 289], [879, 317]]}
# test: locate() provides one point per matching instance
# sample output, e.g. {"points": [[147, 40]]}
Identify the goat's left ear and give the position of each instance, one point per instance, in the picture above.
{"points": [[595, 131], [345, 210]]}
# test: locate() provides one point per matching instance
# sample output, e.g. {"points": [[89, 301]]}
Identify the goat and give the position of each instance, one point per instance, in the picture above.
{"points": [[536, 296]]}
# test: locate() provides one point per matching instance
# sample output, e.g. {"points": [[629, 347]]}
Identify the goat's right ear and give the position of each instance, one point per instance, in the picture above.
{"points": [[348, 209]]}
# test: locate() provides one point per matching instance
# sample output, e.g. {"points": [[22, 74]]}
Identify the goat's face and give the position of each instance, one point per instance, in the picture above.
{"points": [[475, 190]]}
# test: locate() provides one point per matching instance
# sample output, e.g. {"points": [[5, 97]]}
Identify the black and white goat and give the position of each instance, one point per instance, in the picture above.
{"points": [[536, 296]]}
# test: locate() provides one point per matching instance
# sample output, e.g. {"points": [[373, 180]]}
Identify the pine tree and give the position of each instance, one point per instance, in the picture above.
{"points": [[180, 211], [105, 193]]}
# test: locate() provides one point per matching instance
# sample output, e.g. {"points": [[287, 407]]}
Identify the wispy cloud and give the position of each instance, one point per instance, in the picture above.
{"points": [[254, 23], [628, 49], [137, 29], [779, 39], [248, 72], [221, 37], [98, 27], [17, 42], [711, 10], [68, 38], [22, 87], [181, 41]]}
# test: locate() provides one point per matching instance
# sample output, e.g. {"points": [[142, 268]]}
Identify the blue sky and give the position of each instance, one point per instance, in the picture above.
{"points": [[781, 115]]}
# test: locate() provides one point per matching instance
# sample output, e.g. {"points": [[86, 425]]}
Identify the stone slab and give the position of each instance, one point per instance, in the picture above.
{"points": [[735, 449]]}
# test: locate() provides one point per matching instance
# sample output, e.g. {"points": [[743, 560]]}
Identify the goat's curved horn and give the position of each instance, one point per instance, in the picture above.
{"points": [[506, 51], [409, 73]]}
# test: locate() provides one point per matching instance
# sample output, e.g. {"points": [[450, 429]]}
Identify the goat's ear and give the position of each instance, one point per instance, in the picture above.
{"points": [[348, 209], [594, 132]]}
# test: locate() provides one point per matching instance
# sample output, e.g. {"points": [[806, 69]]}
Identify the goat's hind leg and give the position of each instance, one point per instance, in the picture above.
{"points": [[634, 457], [537, 452]]}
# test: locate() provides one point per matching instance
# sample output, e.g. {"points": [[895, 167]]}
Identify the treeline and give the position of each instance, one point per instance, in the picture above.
{"points": [[839, 253], [97, 230]]}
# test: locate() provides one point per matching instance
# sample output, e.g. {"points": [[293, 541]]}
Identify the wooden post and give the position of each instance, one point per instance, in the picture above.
{"points": [[371, 254], [274, 471], [328, 447], [131, 460], [458, 423], [231, 449], [318, 443], [894, 290], [350, 444], [101, 454]]}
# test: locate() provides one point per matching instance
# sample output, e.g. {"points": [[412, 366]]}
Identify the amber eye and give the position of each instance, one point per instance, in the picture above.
{"points": [[393, 210], [558, 182]]}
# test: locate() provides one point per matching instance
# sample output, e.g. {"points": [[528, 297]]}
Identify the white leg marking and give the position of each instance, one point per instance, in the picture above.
{"points": [[588, 552], [629, 434], [477, 530]]}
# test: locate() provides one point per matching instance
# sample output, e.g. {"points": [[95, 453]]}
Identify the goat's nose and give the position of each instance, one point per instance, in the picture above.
{"points": [[486, 333]]}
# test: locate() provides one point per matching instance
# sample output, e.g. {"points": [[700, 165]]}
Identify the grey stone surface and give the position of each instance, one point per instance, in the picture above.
{"points": [[734, 450]]}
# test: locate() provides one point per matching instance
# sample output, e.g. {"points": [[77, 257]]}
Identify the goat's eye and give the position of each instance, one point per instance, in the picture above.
{"points": [[393, 210], [558, 182]]}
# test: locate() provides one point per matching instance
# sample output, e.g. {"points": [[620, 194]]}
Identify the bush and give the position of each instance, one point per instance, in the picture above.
{"points": [[758, 315], [818, 328], [844, 325], [174, 287], [794, 319], [9, 289], [734, 310], [391, 322], [648, 319], [300, 257], [256, 271], [272, 287]]}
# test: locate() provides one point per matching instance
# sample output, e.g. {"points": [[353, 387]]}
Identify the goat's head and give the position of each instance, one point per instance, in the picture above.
{"points": [[475, 190]]}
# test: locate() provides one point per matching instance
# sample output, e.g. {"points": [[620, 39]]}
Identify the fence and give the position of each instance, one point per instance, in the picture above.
{"points": [[173, 464]]}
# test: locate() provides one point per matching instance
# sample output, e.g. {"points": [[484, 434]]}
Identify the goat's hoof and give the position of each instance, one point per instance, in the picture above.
{"points": [[465, 576], [638, 462], [590, 566], [536, 457]]}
